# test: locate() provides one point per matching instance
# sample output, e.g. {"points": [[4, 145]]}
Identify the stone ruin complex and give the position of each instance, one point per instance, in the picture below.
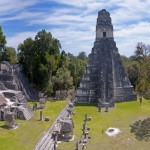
{"points": [[105, 80], [13, 104]]}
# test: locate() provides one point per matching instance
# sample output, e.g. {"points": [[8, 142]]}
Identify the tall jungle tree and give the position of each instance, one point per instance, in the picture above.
{"points": [[2, 43], [9, 54]]}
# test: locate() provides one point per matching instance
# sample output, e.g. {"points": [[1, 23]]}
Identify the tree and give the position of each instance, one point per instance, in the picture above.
{"points": [[133, 72], [64, 61], [2, 43], [143, 87], [142, 50], [27, 57], [46, 67], [9, 54], [142, 53], [63, 79], [77, 67], [55, 47], [44, 42], [40, 59], [82, 56]]}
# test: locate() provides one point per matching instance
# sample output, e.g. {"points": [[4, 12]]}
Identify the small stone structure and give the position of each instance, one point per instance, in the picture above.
{"points": [[42, 102], [105, 79], [10, 120], [14, 101], [61, 95], [112, 132], [70, 108], [47, 119], [3, 103], [64, 129], [41, 115]]}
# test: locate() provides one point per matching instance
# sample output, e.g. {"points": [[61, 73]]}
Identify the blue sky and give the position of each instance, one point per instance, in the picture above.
{"points": [[73, 22]]}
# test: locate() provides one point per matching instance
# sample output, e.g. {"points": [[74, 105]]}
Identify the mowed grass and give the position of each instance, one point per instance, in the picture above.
{"points": [[122, 116], [29, 132]]}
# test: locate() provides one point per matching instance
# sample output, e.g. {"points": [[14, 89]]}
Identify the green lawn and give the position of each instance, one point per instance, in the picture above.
{"points": [[122, 116], [29, 132]]}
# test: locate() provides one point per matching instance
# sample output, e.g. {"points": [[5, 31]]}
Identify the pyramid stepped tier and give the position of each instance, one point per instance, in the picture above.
{"points": [[7, 80], [105, 79]]}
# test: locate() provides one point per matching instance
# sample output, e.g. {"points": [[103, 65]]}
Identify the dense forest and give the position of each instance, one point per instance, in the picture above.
{"points": [[49, 68]]}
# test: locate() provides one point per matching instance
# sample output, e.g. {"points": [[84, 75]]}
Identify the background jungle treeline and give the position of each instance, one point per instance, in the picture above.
{"points": [[49, 68]]}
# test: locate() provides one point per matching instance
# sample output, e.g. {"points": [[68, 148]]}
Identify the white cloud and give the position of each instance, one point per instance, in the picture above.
{"points": [[134, 30], [15, 40], [9, 6], [128, 37], [74, 41], [74, 25], [76, 3], [24, 15]]}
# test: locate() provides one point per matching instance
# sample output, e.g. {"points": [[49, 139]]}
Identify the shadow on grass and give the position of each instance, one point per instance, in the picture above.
{"points": [[4, 127], [85, 104]]}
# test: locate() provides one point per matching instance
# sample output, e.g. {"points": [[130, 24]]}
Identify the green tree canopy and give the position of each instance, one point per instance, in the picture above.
{"points": [[63, 79], [2, 43], [40, 59], [82, 56], [9, 54]]}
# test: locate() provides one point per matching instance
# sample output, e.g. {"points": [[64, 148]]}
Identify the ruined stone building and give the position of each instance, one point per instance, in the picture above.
{"points": [[105, 79], [64, 128], [11, 99]]}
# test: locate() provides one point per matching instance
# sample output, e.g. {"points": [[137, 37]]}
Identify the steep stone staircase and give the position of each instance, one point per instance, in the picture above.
{"points": [[24, 84], [26, 111]]}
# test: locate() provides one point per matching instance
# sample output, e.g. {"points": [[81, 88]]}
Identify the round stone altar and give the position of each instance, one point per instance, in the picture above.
{"points": [[112, 132]]}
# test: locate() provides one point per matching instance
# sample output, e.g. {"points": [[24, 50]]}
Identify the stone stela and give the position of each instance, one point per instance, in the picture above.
{"points": [[105, 80]]}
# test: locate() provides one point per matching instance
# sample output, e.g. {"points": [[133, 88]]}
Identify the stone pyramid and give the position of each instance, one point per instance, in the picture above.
{"points": [[105, 79]]}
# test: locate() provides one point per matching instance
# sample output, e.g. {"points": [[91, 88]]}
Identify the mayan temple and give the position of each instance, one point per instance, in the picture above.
{"points": [[105, 79]]}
